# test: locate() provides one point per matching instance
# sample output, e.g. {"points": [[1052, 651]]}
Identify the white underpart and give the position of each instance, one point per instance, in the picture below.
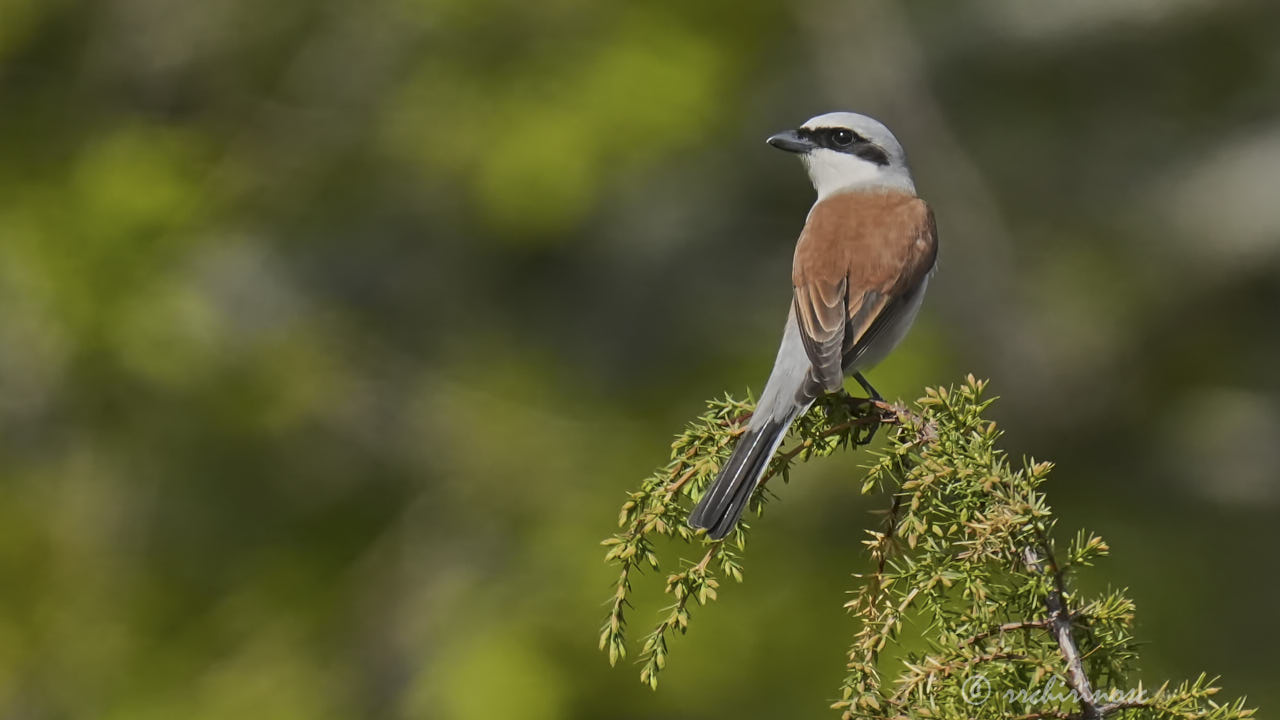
{"points": [[836, 172]]}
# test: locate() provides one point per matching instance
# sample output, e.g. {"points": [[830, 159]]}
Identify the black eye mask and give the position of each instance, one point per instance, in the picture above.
{"points": [[856, 145]]}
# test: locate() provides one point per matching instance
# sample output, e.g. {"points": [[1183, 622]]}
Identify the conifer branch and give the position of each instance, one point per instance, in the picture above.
{"points": [[966, 547], [1060, 621]]}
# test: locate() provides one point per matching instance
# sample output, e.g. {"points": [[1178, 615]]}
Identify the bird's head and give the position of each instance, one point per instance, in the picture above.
{"points": [[847, 151]]}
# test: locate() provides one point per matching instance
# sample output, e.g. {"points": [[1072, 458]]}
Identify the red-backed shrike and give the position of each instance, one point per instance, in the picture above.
{"points": [[861, 267]]}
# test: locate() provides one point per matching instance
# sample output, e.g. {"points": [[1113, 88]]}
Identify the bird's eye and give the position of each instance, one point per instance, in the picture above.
{"points": [[842, 137]]}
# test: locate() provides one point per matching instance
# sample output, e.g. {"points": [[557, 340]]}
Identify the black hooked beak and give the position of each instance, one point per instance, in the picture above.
{"points": [[792, 141]]}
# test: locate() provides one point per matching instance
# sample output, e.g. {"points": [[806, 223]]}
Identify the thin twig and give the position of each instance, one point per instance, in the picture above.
{"points": [[679, 482], [1060, 623], [947, 669], [1007, 627], [711, 552], [1123, 705]]}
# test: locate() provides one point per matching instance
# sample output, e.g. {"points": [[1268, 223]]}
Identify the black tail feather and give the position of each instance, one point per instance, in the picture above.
{"points": [[726, 498]]}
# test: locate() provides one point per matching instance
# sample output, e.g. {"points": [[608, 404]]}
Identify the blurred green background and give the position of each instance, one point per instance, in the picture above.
{"points": [[332, 333]]}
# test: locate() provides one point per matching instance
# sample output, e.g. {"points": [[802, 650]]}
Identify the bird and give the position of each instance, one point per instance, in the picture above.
{"points": [[861, 266]]}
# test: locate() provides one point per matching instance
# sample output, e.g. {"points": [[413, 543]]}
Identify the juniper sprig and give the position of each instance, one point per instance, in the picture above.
{"points": [[968, 584]]}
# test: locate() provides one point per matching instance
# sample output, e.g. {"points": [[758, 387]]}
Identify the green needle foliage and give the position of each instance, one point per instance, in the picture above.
{"points": [[969, 610]]}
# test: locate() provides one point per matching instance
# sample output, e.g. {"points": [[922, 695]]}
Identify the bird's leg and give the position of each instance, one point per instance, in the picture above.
{"points": [[871, 392], [876, 401]]}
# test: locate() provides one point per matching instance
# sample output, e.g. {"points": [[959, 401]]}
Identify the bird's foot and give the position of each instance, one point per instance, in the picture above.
{"points": [[868, 414]]}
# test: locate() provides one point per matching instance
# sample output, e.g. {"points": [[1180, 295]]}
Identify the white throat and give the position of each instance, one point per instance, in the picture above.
{"points": [[834, 172]]}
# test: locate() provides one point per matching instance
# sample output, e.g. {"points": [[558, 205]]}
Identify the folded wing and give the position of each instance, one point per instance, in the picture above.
{"points": [[860, 254]]}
